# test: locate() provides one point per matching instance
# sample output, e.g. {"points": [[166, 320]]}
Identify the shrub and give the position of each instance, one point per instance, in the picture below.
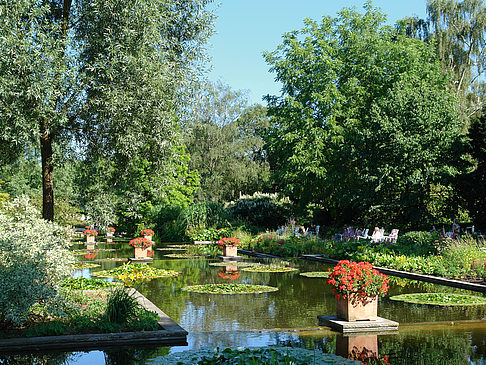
{"points": [[418, 242], [121, 306], [34, 259], [262, 210]]}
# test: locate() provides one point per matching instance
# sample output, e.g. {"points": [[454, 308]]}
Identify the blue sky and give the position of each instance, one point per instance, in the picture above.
{"points": [[246, 28]]}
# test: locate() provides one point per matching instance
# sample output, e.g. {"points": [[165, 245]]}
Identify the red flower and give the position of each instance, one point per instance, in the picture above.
{"points": [[348, 277], [147, 232], [231, 241], [140, 242]]}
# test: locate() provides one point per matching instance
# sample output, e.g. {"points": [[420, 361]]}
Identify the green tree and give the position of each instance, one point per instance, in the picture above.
{"points": [[366, 124], [458, 31], [224, 140], [106, 74]]}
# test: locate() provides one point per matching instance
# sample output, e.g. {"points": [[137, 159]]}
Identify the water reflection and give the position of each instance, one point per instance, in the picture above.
{"points": [[427, 335]]}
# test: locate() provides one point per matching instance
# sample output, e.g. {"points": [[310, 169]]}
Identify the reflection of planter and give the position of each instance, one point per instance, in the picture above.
{"points": [[353, 308], [109, 240], [90, 239], [230, 251], [363, 347], [90, 246], [141, 252]]}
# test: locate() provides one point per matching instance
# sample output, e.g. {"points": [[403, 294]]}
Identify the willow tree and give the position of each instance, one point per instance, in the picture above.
{"points": [[102, 76]]}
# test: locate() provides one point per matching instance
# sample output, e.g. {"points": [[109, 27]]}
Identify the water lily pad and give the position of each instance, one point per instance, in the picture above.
{"points": [[233, 263], [316, 274], [172, 249], [183, 256], [229, 289], [441, 299], [269, 268], [129, 273]]}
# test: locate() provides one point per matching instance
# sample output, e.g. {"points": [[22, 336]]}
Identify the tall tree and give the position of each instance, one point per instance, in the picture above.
{"points": [[102, 75], [366, 123], [224, 140]]}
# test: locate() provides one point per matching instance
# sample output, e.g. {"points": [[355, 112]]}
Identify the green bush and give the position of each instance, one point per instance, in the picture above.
{"points": [[418, 241], [121, 306], [261, 210], [34, 260]]}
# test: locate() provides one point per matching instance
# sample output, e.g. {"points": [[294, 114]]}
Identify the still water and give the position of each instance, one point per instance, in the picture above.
{"points": [[288, 317]]}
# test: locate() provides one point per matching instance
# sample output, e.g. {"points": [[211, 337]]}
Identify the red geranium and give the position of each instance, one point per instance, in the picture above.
{"points": [[147, 232], [91, 232], [231, 241], [357, 277], [140, 242], [110, 229]]}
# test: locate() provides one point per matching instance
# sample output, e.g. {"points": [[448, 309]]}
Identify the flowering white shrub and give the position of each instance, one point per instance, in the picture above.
{"points": [[34, 258]]}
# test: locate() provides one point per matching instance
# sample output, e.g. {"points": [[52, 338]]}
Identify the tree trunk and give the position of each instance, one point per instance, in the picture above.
{"points": [[47, 168]]}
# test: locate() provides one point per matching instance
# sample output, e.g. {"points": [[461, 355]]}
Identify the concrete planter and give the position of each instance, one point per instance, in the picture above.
{"points": [[140, 252], [90, 239], [230, 251], [353, 309]]}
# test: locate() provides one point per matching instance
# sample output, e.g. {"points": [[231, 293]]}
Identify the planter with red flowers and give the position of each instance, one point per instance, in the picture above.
{"points": [[229, 246], [147, 233], [90, 238], [110, 231], [142, 247], [357, 287]]}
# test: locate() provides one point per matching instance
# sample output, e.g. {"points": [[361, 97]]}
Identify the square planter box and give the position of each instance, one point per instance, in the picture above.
{"points": [[230, 251], [354, 309]]}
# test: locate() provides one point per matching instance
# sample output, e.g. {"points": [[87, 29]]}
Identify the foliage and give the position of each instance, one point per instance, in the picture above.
{"points": [[81, 283], [34, 259], [418, 241], [107, 78], [110, 229], [207, 234], [366, 124], [269, 268], [442, 299], [223, 137], [204, 250], [130, 273], [121, 306], [315, 274], [357, 277], [262, 355], [261, 210], [229, 289], [229, 241]]}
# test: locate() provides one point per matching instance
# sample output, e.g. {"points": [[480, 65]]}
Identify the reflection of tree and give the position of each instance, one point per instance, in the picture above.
{"points": [[428, 347], [38, 359], [131, 356]]}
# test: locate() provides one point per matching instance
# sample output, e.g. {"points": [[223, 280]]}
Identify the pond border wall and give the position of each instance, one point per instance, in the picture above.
{"points": [[171, 334], [480, 288]]}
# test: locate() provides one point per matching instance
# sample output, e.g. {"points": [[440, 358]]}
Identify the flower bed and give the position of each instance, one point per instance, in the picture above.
{"points": [[81, 283]]}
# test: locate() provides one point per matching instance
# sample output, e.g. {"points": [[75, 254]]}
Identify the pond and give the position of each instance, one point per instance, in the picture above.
{"points": [[287, 317]]}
